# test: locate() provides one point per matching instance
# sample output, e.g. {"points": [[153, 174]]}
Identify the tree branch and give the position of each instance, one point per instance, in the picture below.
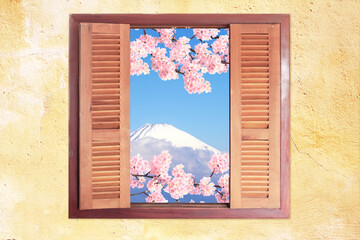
{"points": [[192, 58], [224, 62], [145, 192], [178, 71], [140, 175], [156, 31], [219, 192], [205, 42]]}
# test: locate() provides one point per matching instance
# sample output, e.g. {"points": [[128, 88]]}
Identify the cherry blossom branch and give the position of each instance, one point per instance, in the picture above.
{"points": [[158, 169], [178, 71], [224, 62], [219, 192], [192, 58], [156, 31], [134, 194], [139, 175]]}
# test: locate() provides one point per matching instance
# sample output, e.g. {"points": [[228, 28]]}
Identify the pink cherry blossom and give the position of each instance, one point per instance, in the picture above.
{"points": [[180, 50], [221, 45], [154, 185], [219, 163], [159, 165], [181, 58], [166, 35], [178, 170], [137, 183], [181, 184], [195, 83], [207, 188], [156, 197], [138, 67], [139, 165], [195, 191], [163, 65], [206, 34], [222, 198], [224, 183]]}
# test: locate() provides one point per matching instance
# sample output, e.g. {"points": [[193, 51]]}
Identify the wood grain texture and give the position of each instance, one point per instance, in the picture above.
{"points": [[285, 117], [217, 20], [85, 117], [235, 116], [73, 118], [125, 115], [274, 116], [255, 116], [104, 116], [180, 20]]}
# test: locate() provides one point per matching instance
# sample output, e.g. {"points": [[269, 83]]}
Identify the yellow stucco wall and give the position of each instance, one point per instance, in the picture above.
{"points": [[325, 123]]}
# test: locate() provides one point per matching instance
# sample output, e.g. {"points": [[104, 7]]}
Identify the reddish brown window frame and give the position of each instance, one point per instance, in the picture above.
{"points": [[220, 211]]}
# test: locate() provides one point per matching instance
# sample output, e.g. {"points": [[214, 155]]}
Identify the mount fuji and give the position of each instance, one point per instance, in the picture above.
{"points": [[151, 139]]}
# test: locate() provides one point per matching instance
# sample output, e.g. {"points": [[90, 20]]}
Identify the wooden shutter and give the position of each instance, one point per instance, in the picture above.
{"points": [[255, 116], [104, 116]]}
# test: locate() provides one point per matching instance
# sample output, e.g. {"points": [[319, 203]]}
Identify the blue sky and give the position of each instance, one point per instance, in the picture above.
{"points": [[205, 116]]}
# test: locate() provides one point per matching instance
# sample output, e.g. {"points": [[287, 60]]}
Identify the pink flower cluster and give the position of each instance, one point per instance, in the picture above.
{"points": [[163, 65], [154, 185], [179, 183], [180, 50], [137, 183], [166, 35], [223, 182], [181, 59], [221, 45], [219, 163], [195, 83], [222, 198], [138, 166], [206, 34], [207, 188], [141, 48], [212, 63], [156, 197], [160, 164]]}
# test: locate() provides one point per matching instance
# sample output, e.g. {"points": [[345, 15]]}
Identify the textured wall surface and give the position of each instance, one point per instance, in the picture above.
{"points": [[325, 123]]}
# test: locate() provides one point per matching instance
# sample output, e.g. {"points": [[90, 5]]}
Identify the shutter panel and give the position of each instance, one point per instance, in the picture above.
{"points": [[255, 116], [104, 116]]}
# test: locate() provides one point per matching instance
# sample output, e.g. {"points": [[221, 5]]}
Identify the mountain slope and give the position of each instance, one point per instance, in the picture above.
{"points": [[151, 139], [171, 134]]}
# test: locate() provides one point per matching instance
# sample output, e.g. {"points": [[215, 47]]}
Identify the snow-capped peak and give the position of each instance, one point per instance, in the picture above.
{"points": [[171, 134]]}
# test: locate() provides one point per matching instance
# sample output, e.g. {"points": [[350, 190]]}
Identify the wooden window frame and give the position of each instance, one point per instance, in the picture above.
{"points": [[216, 211]]}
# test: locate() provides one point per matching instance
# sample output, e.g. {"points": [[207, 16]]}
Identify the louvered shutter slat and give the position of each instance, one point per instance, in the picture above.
{"points": [[255, 116], [104, 116]]}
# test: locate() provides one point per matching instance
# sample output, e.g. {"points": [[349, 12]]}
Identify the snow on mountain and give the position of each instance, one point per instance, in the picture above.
{"points": [[151, 139], [171, 134]]}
